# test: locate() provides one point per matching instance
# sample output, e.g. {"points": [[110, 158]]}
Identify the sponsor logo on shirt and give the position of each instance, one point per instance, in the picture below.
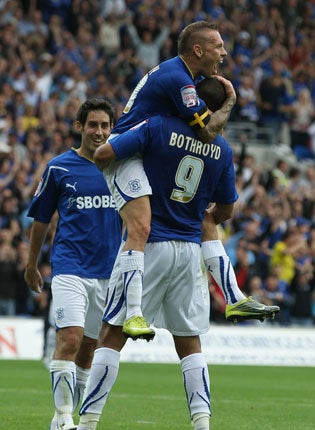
{"points": [[189, 96], [95, 202], [71, 200]]}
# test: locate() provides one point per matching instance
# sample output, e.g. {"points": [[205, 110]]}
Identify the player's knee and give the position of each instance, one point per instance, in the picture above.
{"points": [[68, 344]]}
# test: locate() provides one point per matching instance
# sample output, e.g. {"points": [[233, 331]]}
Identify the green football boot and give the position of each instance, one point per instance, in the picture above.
{"points": [[249, 309], [138, 328]]}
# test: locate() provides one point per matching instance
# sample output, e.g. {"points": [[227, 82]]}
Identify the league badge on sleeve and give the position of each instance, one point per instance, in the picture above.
{"points": [[189, 96]]}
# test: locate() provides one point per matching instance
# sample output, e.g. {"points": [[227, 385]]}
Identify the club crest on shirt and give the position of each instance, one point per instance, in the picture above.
{"points": [[134, 185], [189, 96], [39, 187], [60, 313]]}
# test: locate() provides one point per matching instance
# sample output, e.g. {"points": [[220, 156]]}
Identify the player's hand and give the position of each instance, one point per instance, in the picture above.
{"points": [[229, 89], [34, 279]]}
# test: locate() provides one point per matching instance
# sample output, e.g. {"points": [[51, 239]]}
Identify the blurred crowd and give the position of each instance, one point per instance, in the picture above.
{"points": [[56, 53]]}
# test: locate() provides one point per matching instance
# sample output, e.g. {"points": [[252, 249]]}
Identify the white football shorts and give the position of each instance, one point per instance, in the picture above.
{"points": [[175, 289], [127, 180], [79, 302]]}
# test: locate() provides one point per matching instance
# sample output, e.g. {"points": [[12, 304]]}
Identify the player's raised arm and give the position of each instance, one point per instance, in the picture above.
{"points": [[103, 155]]}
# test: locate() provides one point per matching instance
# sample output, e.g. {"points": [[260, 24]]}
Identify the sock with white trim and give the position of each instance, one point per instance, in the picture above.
{"points": [[196, 384], [132, 267], [63, 379], [81, 378], [63, 376], [219, 265], [102, 377]]}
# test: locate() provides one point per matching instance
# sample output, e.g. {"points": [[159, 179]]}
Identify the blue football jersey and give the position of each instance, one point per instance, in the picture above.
{"points": [[89, 228], [184, 173], [167, 89]]}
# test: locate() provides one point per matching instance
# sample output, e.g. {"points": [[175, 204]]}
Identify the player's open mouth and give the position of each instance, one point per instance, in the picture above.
{"points": [[216, 67]]}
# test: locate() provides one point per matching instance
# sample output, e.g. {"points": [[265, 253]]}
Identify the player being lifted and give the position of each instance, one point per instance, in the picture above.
{"points": [[169, 89]]}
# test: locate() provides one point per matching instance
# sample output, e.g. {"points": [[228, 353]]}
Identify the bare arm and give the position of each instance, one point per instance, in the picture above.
{"points": [[32, 275], [219, 117], [221, 212], [213, 216], [103, 155]]}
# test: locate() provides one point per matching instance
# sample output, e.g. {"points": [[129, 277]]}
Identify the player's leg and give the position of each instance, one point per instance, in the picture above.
{"points": [[136, 215], [97, 290], [238, 306], [196, 380], [63, 375], [103, 375], [218, 263], [83, 363], [130, 189], [50, 337], [69, 303], [184, 311], [105, 363]]}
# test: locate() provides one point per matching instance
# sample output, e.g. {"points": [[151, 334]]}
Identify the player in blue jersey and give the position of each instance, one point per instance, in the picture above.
{"points": [[185, 176], [169, 89], [85, 246]]}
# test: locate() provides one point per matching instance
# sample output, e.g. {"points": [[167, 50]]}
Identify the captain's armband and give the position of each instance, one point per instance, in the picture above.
{"points": [[199, 119]]}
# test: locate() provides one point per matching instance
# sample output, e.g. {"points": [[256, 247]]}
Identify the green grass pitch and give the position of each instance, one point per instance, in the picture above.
{"points": [[151, 396]]}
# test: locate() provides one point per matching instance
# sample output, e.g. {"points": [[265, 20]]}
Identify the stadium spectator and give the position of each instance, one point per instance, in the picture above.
{"points": [[8, 270], [244, 269], [274, 222], [147, 48], [286, 253], [277, 293], [302, 298], [246, 106], [249, 234], [274, 100], [302, 114], [114, 7]]}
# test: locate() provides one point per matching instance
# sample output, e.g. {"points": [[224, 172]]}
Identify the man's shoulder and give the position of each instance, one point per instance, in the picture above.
{"points": [[171, 62], [172, 69], [62, 158]]}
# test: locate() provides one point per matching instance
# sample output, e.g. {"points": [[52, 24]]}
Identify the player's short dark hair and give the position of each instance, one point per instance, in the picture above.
{"points": [[212, 91], [95, 104], [192, 34]]}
